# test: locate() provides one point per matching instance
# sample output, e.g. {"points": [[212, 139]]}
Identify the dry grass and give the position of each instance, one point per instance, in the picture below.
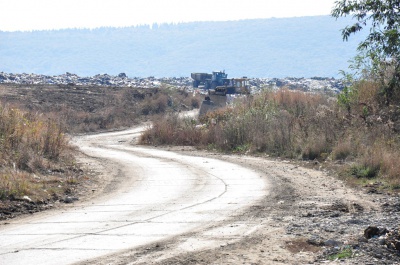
{"points": [[126, 107], [343, 149], [282, 123], [360, 130], [14, 184], [89, 109], [170, 129], [35, 158], [30, 145], [24, 137]]}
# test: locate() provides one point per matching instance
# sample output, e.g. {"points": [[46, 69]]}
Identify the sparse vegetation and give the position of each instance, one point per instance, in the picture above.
{"points": [[283, 123], [345, 253], [171, 129], [356, 128], [31, 147], [27, 140], [89, 109], [127, 106]]}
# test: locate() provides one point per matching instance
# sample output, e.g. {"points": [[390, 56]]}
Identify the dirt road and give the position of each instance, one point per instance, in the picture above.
{"points": [[182, 206]]}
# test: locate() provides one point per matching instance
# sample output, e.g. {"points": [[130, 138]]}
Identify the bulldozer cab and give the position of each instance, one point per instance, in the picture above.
{"points": [[218, 76], [241, 85], [233, 86]]}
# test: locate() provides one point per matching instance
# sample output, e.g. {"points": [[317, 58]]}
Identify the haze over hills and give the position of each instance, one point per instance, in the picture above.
{"points": [[295, 47]]}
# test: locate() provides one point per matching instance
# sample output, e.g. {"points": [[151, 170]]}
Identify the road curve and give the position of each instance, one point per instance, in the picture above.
{"points": [[158, 195]]}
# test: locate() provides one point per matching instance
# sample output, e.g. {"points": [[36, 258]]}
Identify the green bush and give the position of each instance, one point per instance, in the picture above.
{"points": [[342, 254], [361, 171]]}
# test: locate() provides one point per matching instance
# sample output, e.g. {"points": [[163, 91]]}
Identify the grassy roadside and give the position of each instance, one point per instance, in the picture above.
{"points": [[354, 133], [90, 109], [37, 163]]}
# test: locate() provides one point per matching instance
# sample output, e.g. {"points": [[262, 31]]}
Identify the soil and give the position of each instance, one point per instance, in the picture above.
{"points": [[308, 217], [45, 98], [88, 182], [92, 109]]}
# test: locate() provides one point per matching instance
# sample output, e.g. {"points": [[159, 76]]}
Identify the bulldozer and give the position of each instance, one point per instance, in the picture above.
{"points": [[217, 86], [219, 83]]}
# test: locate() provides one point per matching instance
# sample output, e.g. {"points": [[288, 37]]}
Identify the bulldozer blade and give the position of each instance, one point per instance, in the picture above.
{"points": [[211, 103]]}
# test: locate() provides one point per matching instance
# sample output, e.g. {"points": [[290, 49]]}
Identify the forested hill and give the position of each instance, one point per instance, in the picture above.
{"points": [[295, 47]]}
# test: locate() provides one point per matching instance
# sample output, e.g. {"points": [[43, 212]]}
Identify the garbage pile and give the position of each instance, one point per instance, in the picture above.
{"points": [[315, 84], [121, 80]]}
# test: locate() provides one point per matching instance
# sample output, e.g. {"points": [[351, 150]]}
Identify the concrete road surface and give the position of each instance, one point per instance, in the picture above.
{"points": [[155, 195]]}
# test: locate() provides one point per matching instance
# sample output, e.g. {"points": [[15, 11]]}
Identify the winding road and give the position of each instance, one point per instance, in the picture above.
{"points": [[154, 196]]}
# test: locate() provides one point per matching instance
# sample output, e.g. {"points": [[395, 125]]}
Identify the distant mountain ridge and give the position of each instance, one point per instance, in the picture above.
{"points": [[295, 47]]}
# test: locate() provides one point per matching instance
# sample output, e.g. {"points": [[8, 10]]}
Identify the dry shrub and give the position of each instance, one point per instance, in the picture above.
{"points": [[298, 103], [24, 137], [370, 162], [368, 93], [372, 128], [195, 102], [14, 184], [343, 149], [171, 129], [234, 133], [88, 109], [161, 132], [189, 135], [280, 133], [382, 160], [54, 141], [318, 149], [275, 122], [390, 166], [154, 104], [296, 124]]}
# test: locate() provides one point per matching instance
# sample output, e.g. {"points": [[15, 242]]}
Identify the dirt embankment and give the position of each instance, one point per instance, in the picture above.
{"points": [[91, 109]]}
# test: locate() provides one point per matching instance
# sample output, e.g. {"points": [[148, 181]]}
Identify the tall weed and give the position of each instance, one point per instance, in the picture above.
{"points": [[355, 128], [24, 137]]}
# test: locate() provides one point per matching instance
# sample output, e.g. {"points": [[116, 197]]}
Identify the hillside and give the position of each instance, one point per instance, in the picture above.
{"points": [[296, 47]]}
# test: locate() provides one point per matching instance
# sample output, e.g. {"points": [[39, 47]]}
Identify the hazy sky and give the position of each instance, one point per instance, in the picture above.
{"points": [[56, 14]]}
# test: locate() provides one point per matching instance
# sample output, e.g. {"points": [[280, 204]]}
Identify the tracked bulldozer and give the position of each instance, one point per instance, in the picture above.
{"points": [[216, 87]]}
